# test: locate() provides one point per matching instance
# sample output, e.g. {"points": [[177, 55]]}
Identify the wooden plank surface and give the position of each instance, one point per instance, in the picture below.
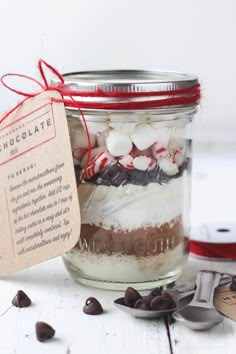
{"points": [[58, 300]]}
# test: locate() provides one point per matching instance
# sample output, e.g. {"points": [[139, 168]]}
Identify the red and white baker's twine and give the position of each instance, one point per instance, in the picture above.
{"points": [[46, 87], [169, 98]]}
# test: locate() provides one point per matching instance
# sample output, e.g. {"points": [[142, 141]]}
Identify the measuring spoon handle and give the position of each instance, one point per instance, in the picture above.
{"points": [[206, 283]]}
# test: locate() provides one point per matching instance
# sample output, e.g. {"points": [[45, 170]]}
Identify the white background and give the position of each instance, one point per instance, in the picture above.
{"points": [[196, 36]]}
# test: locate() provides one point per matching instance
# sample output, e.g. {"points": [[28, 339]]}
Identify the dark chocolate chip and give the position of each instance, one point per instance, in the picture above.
{"points": [[233, 286], [114, 175], [120, 178], [153, 174], [21, 299], [44, 331], [113, 170], [120, 301], [160, 303], [138, 177], [92, 307], [155, 292], [78, 170], [143, 304], [103, 181], [169, 297], [131, 297]]}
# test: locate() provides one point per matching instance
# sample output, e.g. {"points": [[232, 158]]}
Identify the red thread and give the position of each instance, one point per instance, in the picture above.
{"points": [[213, 250], [47, 87], [166, 102]]}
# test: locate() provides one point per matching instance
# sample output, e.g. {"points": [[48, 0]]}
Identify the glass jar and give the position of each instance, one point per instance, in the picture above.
{"points": [[134, 191]]}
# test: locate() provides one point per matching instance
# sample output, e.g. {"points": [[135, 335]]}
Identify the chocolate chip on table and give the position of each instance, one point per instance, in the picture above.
{"points": [[143, 304], [92, 307], [44, 331], [131, 297], [21, 299], [160, 303]]}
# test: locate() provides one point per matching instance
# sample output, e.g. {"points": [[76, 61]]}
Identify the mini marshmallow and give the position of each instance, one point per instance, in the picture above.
{"points": [[169, 167], [101, 138], [177, 140], [143, 163], [177, 144], [124, 127], [118, 144], [143, 136], [127, 162], [79, 139], [94, 126], [98, 163], [178, 158], [163, 136]]}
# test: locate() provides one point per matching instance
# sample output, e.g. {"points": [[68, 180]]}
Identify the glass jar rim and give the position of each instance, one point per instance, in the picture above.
{"points": [[127, 80], [130, 89]]}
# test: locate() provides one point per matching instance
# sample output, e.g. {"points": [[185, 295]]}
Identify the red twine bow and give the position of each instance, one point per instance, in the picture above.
{"points": [[46, 87]]}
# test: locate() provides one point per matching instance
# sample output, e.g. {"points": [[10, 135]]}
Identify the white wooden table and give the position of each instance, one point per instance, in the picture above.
{"points": [[58, 300]]}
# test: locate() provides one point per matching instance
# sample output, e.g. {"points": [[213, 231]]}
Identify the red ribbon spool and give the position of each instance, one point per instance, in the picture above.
{"points": [[214, 242]]}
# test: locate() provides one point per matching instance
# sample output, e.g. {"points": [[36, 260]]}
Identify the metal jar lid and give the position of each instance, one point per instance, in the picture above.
{"points": [[126, 81]]}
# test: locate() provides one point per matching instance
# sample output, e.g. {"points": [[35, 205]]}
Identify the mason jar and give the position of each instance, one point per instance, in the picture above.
{"points": [[133, 172]]}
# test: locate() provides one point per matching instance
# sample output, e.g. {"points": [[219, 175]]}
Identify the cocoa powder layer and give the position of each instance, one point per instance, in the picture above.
{"points": [[140, 242]]}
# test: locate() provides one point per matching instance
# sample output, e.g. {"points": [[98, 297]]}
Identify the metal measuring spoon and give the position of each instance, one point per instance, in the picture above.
{"points": [[181, 295], [154, 313], [200, 313]]}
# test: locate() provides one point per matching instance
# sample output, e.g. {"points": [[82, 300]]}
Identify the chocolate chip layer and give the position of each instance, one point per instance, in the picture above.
{"points": [[115, 175]]}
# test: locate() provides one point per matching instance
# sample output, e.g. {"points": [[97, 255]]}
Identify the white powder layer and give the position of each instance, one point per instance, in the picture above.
{"points": [[131, 207], [120, 268]]}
